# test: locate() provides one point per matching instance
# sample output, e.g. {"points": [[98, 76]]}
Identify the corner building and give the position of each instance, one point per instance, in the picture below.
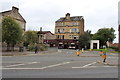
{"points": [[68, 29]]}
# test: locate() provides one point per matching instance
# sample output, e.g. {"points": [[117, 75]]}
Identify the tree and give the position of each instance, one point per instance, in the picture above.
{"points": [[84, 39], [89, 32], [11, 32], [30, 37], [104, 35]]}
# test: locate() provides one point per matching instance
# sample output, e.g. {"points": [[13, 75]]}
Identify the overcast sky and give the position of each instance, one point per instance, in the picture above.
{"points": [[43, 13]]}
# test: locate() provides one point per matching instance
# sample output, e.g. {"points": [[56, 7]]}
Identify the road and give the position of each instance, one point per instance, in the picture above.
{"points": [[61, 64]]}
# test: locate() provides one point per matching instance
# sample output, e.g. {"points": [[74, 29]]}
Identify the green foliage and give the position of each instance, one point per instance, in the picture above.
{"points": [[11, 31], [104, 35], [108, 50], [114, 47], [41, 47], [31, 47], [84, 39], [30, 37]]}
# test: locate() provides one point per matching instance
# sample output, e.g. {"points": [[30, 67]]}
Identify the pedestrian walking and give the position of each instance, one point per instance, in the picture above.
{"points": [[104, 56], [36, 49], [78, 53]]}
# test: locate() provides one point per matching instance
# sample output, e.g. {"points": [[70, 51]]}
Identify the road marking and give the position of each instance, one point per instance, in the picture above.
{"points": [[113, 57], [58, 64], [94, 67], [86, 65], [113, 54], [21, 64], [38, 68], [22, 68], [55, 65], [89, 64]]}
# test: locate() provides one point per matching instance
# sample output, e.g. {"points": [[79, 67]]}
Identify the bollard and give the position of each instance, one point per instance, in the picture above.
{"points": [[90, 49], [101, 53], [82, 50], [104, 56], [78, 53]]}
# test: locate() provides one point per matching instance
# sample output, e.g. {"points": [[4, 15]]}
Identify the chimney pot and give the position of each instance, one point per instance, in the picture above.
{"points": [[15, 9]]}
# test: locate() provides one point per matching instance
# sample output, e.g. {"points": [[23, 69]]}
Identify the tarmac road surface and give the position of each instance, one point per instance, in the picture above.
{"points": [[61, 64]]}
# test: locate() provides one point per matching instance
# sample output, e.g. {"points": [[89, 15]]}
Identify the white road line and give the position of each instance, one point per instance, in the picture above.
{"points": [[113, 54], [22, 68], [58, 64], [20, 64], [78, 67], [85, 65], [55, 65], [93, 67], [89, 64], [38, 68], [113, 57]]}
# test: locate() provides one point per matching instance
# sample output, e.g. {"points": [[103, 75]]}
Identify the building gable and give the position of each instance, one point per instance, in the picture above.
{"points": [[13, 13], [16, 15]]}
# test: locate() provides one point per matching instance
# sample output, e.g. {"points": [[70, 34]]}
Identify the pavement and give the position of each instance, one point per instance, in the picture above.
{"points": [[61, 63], [25, 52]]}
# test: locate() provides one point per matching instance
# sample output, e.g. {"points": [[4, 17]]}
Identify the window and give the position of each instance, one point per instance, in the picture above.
{"points": [[76, 30], [71, 24], [70, 30], [74, 36], [70, 36], [76, 23], [59, 24], [63, 31], [58, 30], [62, 24], [22, 25], [62, 36], [57, 36]]}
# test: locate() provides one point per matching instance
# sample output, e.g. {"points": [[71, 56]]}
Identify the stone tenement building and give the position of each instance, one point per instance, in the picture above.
{"points": [[69, 27], [16, 15]]}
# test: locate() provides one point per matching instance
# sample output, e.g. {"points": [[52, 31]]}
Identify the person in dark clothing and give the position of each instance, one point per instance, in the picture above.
{"points": [[36, 49]]}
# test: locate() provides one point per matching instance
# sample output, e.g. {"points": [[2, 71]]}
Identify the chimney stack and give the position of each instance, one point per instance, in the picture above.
{"points": [[15, 9], [68, 16], [41, 29]]}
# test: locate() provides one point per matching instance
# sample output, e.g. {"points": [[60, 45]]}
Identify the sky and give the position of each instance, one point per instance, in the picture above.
{"points": [[43, 13]]}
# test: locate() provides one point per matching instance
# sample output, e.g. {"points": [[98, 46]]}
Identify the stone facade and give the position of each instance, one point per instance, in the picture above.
{"points": [[16, 15], [67, 31], [69, 27], [45, 36]]}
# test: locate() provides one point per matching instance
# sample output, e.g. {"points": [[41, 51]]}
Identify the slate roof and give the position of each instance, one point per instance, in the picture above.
{"points": [[10, 11], [44, 32], [74, 18]]}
